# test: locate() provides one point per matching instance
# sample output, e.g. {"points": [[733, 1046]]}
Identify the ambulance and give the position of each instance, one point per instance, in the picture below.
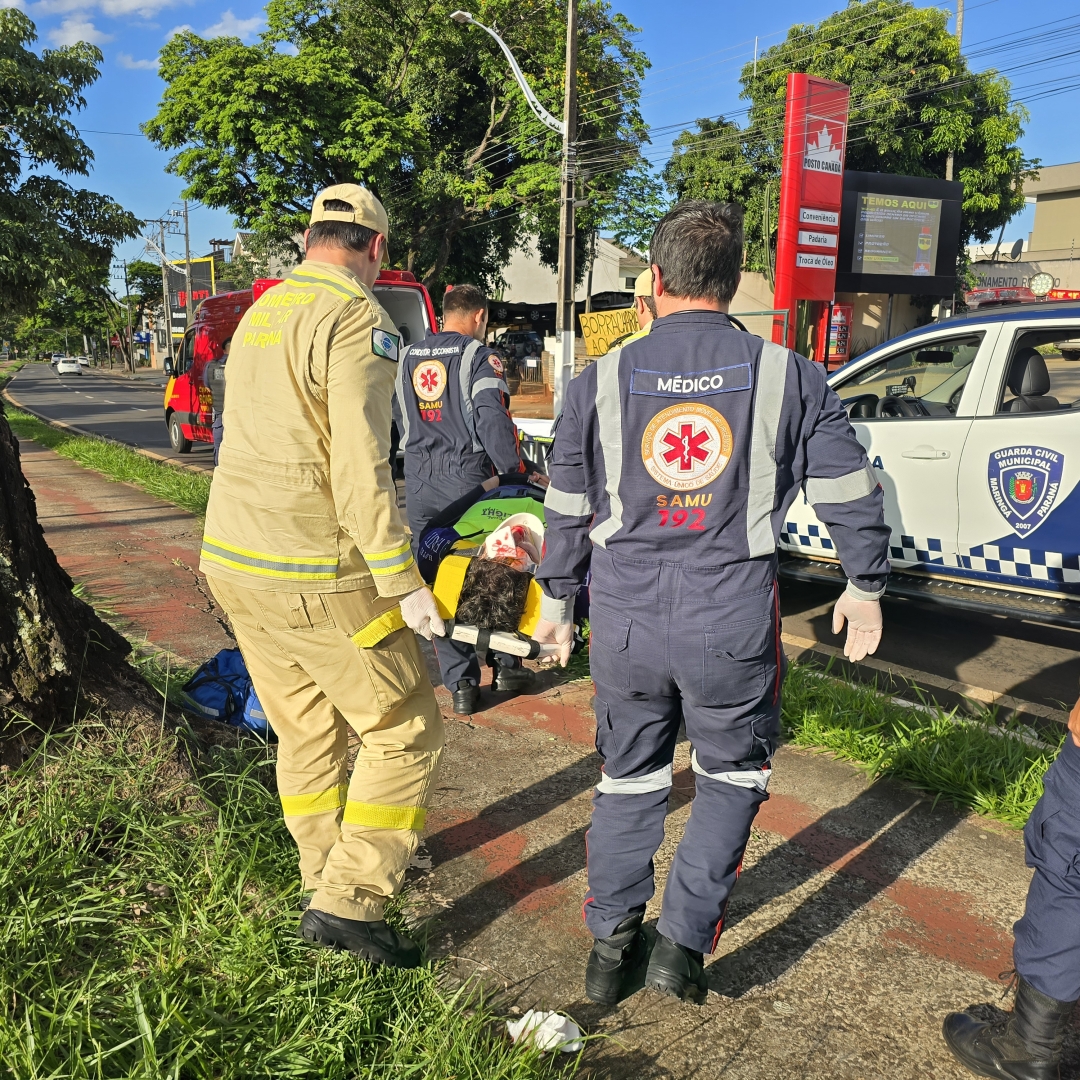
{"points": [[188, 413], [972, 426]]}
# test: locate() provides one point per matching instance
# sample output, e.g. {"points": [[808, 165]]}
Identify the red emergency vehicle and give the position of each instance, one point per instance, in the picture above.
{"points": [[187, 397]]}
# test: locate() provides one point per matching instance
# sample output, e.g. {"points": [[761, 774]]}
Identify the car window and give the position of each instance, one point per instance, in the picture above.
{"points": [[187, 353], [1043, 372], [925, 380]]}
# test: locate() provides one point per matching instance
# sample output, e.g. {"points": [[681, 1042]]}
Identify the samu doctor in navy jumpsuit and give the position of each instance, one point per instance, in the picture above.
{"points": [[674, 462]]}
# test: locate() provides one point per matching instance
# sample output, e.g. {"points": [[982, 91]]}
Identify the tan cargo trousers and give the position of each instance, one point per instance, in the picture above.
{"points": [[356, 836]]}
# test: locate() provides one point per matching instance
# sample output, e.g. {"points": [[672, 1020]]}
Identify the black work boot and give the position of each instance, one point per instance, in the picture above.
{"points": [[466, 698], [677, 971], [515, 680], [1026, 1045], [374, 941], [612, 960]]}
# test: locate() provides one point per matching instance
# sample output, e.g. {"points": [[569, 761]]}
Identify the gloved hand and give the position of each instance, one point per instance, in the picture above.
{"points": [[863, 625], [421, 614], [561, 634]]}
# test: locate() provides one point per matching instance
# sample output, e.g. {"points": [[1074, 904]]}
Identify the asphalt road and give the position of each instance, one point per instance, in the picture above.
{"points": [[129, 410], [1027, 660]]}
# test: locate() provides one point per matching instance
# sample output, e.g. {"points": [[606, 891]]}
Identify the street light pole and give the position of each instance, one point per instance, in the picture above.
{"points": [[187, 264], [567, 128], [959, 42]]}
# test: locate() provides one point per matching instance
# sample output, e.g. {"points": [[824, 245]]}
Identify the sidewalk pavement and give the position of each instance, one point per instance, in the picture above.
{"points": [[864, 913]]}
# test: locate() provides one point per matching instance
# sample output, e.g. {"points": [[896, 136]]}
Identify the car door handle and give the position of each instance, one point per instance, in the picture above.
{"points": [[926, 452]]}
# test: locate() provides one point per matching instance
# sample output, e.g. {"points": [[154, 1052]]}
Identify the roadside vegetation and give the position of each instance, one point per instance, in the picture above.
{"points": [[187, 489], [149, 932]]}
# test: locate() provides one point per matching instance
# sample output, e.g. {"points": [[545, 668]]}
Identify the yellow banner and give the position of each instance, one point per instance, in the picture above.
{"points": [[601, 328]]}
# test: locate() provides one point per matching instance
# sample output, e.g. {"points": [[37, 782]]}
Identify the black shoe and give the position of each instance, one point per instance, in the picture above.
{"points": [[515, 680], [612, 960], [374, 941], [677, 971], [466, 698], [1026, 1045]]}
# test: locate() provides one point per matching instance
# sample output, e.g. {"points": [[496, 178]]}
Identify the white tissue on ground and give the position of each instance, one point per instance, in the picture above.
{"points": [[546, 1031]]}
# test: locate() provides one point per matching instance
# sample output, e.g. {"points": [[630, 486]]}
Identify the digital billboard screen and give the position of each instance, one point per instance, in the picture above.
{"points": [[899, 234]]}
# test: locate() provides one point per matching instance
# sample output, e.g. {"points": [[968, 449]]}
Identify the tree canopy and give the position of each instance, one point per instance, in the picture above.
{"points": [[913, 99], [394, 94], [50, 232]]}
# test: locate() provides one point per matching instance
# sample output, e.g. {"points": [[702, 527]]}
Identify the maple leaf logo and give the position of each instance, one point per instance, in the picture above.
{"points": [[686, 447]]}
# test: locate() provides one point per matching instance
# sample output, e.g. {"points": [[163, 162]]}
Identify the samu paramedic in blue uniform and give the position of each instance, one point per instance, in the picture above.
{"points": [[457, 433], [674, 462], [1027, 1043]]}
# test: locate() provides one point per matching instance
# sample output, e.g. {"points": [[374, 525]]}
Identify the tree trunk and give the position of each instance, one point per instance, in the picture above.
{"points": [[51, 642]]}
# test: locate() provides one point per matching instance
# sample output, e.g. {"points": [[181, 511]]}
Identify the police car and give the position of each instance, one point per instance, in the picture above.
{"points": [[972, 426]]}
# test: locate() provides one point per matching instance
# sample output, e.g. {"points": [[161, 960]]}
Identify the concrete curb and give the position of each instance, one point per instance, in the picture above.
{"points": [[62, 425], [911, 685]]}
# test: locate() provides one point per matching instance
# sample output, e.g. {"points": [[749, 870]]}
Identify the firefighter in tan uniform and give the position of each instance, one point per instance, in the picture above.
{"points": [[305, 551]]}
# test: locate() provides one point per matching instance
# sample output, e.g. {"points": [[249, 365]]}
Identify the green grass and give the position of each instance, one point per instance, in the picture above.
{"points": [[148, 930], [187, 489], [972, 763]]}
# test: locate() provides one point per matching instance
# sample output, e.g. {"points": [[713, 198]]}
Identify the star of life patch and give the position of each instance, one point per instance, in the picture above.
{"points": [[429, 380], [384, 344], [495, 360], [686, 446]]}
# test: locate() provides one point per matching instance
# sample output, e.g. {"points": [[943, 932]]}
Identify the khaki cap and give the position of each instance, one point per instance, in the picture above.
{"points": [[367, 210], [643, 284]]}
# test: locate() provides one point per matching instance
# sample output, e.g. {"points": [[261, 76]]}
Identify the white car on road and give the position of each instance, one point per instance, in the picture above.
{"points": [[972, 426], [68, 365]]}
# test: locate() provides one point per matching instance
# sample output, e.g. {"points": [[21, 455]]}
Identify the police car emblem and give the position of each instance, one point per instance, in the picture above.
{"points": [[384, 344], [686, 446], [1024, 484], [429, 380]]}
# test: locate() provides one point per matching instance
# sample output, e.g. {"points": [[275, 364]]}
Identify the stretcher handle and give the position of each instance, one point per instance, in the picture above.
{"points": [[499, 641]]}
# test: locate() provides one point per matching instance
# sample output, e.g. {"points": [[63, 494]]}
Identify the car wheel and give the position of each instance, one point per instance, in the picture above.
{"points": [[177, 439]]}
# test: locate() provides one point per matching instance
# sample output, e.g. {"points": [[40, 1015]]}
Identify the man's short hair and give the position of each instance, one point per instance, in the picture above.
{"points": [[340, 234], [463, 300], [649, 302], [699, 247]]}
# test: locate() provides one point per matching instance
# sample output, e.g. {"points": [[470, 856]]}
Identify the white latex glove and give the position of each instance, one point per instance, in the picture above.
{"points": [[561, 634], [421, 614], [863, 625]]}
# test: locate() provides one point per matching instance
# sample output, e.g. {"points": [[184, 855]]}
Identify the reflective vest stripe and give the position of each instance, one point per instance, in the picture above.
{"points": [[267, 565], [761, 495], [316, 802], [382, 626], [339, 293], [609, 417], [374, 816], [635, 785], [301, 271], [399, 389], [567, 503], [744, 778], [841, 489], [489, 384], [390, 562], [464, 384]]}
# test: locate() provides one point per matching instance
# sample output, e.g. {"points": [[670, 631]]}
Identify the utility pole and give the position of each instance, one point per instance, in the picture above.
{"points": [[187, 264], [564, 312], [127, 308], [959, 44]]}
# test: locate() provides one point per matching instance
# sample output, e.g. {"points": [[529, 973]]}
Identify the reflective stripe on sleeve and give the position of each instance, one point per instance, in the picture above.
{"points": [[744, 778], [267, 565], [489, 384], [841, 489], [393, 561], [609, 417], [567, 503], [316, 802], [635, 785], [761, 496], [333, 284], [374, 816], [382, 626]]}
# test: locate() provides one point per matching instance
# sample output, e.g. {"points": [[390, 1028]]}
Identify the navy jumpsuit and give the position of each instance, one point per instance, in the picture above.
{"points": [[456, 433], [673, 464]]}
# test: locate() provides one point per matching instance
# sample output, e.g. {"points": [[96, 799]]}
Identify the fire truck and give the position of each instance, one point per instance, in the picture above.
{"points": [[188, 402]]}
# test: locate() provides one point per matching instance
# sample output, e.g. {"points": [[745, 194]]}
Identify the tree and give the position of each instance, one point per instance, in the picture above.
{"points": [[394, 94], [49, 231], [913, 100], [50, 641]]}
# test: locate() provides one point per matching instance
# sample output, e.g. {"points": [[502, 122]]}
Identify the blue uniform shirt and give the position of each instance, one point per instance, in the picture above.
{"points": [[687, 446]]}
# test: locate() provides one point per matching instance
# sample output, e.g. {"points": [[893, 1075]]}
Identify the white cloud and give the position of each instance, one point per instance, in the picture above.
{"points": [[178, 30], [230, 26], [129, 62], [77, 28], [11, 3], [113, 8]]}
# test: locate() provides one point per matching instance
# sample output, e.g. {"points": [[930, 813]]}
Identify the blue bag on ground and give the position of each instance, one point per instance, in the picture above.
{"points": [[221, 690]]}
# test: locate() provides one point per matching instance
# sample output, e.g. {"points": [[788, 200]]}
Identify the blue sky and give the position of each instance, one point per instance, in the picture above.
{"points": [[697, 49]]}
